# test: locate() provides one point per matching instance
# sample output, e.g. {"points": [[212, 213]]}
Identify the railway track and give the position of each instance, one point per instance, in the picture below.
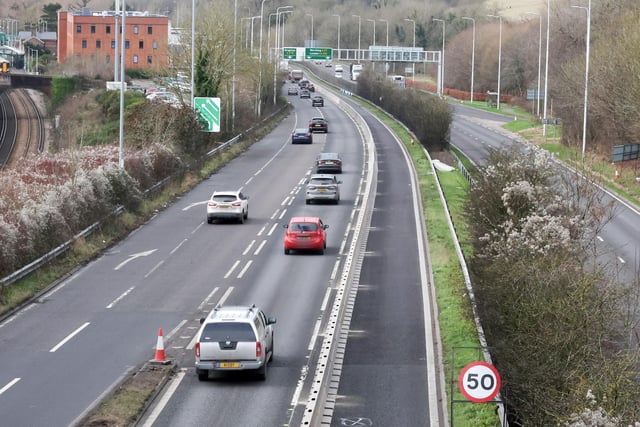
{"points": [[23, 127]]}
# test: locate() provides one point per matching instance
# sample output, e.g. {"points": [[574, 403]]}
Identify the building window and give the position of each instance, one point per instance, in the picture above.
{"points": [[149, 59], [126, 44], [141, 44], [98, 44], [78, 28], [155, 44], [135, 29], [149, 30], [108, 29], [93, 29], [135, 59], [84, 44], [113, 44]]}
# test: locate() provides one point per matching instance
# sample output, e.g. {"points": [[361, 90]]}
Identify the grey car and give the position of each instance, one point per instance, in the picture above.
{"points": [[322, 187]]}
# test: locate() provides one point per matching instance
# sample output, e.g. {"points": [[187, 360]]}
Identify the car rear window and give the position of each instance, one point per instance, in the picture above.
{"points": [[216, 332], [224, 198], [304, 226], [322, 181]]}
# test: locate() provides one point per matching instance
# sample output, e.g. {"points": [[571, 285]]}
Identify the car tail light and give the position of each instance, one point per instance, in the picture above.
{"points": [[308, 133], [258, 349], [332, 187], [197, 350], [235, 204], [321, 162], [212, 204], [311, 187]]}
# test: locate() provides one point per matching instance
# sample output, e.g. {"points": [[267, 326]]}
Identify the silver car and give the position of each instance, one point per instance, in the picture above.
{"points": [[228, 205], [322, 187]]}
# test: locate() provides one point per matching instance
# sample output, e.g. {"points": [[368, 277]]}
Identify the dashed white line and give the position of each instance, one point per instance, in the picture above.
{"points": [[224, 296], [334, 272], [69, 337], [248, 181], [246, 251], [275, 214], [174, 330], [273, 228], [262, 230], [206, 300], [244, 270], [9, 385], [622, 261], [115, 301], [314, 335], [178, 247], [154, 269], [284, 211], [285, 201], [257, 252], [325, 300], [233, 267]]}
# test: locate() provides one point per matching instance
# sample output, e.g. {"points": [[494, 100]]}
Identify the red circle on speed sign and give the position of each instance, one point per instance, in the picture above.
{"points": [[479, 382]]}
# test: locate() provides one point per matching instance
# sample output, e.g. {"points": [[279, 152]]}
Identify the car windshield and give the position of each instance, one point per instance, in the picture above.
{"points": [[304, 226], [224, 198], [216, 332]]}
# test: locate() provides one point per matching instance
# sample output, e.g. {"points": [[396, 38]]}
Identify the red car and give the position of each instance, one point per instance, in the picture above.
{"points": [[305, 233]]}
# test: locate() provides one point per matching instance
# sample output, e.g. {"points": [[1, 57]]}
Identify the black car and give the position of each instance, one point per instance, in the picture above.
{"points": [[328, 163], [317, 101], [318, 124], [302, 136], [305, 94]]}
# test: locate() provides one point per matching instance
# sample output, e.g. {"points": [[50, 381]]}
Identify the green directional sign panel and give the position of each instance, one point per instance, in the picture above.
{"points": [[209, 112], [289, 52], [318, 53]]}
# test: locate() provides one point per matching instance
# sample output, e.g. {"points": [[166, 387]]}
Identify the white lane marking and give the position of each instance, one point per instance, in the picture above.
{"points": [[19, 313], [284, 211], [257, 252], [314, 335], [622, 261], [293, 199], [174, 330], [233, 267], [154, 269], [273, 228], [600, 238], [248, 181], [296, 394], [244, 270], [262, 230], [224, 296], [178, 247], [334, 272], [198, 227], [9, 385], [284, 202], [325, 300], [246, 251], [275, 214], [190, 205], [124, 294], [221, 301], [297, 190], [134, 256], [164, 399], [206, 300], [69, 337]]}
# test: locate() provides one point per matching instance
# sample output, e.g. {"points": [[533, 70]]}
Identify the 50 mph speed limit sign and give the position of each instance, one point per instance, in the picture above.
{"points": [[479, 382]]}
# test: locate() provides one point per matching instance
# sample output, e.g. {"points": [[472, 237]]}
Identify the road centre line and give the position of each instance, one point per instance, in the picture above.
{"points": [[224, 296], [291, 201], [284, 211], [124, 294], [325, 300], [248, 181], [257, 252], [154, 269], [314, 335], [275, 214], [9, 385], [334, 272], [273, 228], [198, 227], [284, 202], [246, 251], [206, 300], [176, 329], [69, 337], [178, 247], [244, 270], [262, 230], [233, 267]]}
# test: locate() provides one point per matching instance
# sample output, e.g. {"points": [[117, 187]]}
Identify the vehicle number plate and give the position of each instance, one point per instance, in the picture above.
{"points": [[322, 189], [303, 237], [223, 207], [229, 365]]}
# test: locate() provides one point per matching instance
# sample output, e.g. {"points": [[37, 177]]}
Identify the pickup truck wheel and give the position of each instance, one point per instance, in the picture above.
{"points": [[262, 372], [203, 375]]}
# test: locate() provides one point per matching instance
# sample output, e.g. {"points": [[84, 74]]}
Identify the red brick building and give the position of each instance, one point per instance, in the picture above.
{"points": [[92, 35]]}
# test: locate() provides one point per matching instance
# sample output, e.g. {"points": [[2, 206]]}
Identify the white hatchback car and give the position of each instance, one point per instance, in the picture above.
{"points": [[228, 205]]}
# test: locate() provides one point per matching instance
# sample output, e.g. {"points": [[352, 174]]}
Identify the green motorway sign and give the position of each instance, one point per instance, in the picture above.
{"points": [[289, 52], [318, 53], [209, 112]]}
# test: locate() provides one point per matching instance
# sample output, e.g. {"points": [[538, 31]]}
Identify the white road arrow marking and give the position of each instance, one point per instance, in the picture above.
{"points": [[194, 204], [134, 256]]}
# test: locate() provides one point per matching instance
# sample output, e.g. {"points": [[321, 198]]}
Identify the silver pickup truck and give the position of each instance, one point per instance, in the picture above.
{"points": [[234, 338]]}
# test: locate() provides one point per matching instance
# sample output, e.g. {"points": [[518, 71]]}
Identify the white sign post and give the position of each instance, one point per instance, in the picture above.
{"points": [[479, 382]]}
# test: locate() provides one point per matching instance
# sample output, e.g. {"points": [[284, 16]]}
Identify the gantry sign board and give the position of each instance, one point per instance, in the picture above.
{"points": [[325, 53], [289, 53], [209, 112], [479, 382]]}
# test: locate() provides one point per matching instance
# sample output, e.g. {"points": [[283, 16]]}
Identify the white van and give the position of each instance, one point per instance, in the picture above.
{"points": [[338, 68]]}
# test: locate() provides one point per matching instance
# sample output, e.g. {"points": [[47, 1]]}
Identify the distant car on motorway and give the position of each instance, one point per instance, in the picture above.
{"points": [[228, 205], [318, 124], [302, 136], [311, 87], [328, 162], [304, 93], [234, 338], [305, 233], [322, 187], [292, 90], [317, 101]]}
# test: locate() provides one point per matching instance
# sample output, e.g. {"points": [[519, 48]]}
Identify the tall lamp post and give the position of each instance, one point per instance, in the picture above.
{"points": [[586, 78], [546, 72], [413, 72], [386, 64], [308, 14], [277, 55], [374, 30], [260, 61], [359, 28], [539, 61], [473, 51], [441, 88], [499, 57], [338, 16], [233, 77]]}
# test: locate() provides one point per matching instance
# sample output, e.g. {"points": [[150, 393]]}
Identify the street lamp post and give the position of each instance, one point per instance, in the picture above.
{"points": [[386, 64], [539, 61], [260, 60], [277, 55], [233, 77], [473, 51], [374, 30], [586, 78], [546, 72], [246, 41], [308, 14], [359, 28], [499, 57], [338, 16], [252, 18], [413, 72], [442, 59], [269, 34]]}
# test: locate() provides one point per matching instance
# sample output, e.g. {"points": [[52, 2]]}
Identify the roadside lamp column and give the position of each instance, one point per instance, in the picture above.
{"points": [[269, 35], [539, 61], [386, 64], [374, 30], [441, 87], [499, 57], [252, 18], [259, 95], [413, 72], [473, 52], [586, 78], [359, 28], [546, 72], [277, 47], [338, 16], [308, 14]]}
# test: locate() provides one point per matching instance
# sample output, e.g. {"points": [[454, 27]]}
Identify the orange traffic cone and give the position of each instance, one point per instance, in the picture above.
{"points": [[617, 174], [160, 356]]}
